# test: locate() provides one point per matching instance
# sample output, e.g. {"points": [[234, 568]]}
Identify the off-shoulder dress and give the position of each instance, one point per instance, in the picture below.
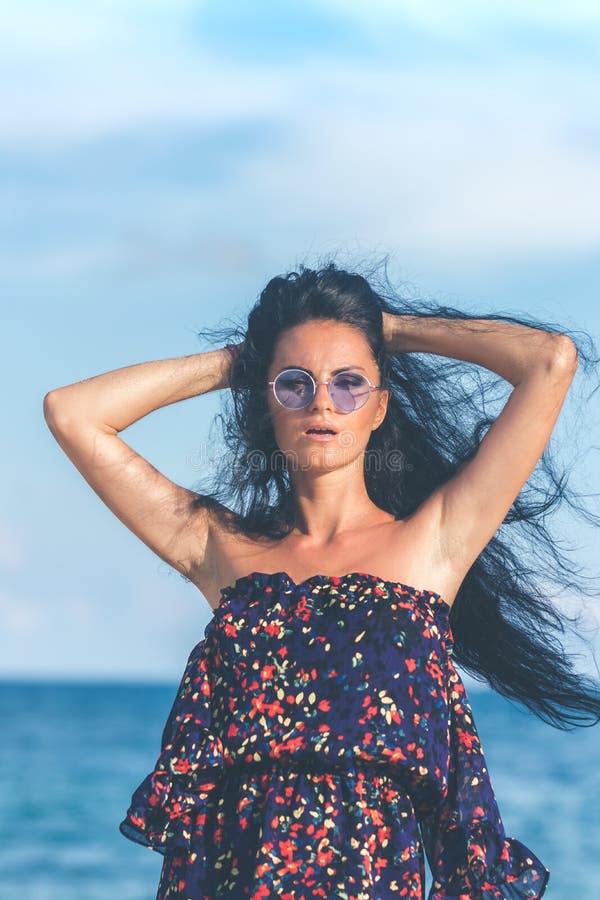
{"points": [[321, 742]]}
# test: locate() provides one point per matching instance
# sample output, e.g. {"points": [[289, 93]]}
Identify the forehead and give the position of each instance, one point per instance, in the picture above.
{"points": [[323, 345]]}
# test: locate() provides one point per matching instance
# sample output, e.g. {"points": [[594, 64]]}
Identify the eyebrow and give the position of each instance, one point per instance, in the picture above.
{"points": [[333, 371]]}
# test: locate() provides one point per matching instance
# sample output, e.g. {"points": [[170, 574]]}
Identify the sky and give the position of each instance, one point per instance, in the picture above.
{"points": [[159, 162]]}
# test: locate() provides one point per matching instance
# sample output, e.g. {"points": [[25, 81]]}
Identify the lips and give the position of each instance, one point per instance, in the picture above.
{"points": [[321, 428]]}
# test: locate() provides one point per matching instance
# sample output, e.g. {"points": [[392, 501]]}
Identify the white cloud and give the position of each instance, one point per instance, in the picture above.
{"points": [[67, 27], [464, 16], [457, 177], [451, 160], [78, 103]]}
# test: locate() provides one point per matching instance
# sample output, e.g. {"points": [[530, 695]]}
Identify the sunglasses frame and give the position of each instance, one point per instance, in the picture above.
{"points": [[316, 383]]}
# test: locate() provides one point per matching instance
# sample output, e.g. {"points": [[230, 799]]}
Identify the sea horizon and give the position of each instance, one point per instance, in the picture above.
{"points": [[77, 749]]}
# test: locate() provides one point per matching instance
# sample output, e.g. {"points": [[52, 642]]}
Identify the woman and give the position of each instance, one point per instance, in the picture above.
{"points": [[321, 736]]}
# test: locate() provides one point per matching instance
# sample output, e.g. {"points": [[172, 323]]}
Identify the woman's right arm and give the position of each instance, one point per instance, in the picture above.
{"points": [[86, 418]]}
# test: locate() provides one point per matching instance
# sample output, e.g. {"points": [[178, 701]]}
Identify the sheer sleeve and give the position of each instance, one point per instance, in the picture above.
{"points": [[469, 855], [169, 808]]}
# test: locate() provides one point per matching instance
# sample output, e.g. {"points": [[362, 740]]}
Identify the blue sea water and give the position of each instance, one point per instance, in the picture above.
{"points": [[72, 754]]}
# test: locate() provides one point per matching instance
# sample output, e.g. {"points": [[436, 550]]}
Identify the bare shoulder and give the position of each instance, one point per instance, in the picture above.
{"points": [[227, 548], [412, 551]]}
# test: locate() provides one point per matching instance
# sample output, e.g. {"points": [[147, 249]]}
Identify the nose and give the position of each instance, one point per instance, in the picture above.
{"points": [[321, 400]]}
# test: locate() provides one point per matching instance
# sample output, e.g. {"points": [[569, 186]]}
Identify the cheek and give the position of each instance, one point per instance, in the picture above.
{"points": [[274, 408], [368, 413], [357, 432], [281, 422], [370, 420]]}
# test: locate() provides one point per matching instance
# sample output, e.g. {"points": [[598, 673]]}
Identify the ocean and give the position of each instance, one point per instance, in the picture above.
{"points": [[71, 755]]}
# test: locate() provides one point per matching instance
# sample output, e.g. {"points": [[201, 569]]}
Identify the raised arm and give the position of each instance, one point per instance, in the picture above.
{"points": [[86, 418], [540, 365]]}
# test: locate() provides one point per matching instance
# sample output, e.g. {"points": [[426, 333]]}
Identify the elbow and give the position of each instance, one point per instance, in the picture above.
{"points": [[53, 412], [565, 357], [47, 405]]}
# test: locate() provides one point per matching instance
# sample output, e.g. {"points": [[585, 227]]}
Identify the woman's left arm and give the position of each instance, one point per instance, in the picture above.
{"points": [[540, 365]]}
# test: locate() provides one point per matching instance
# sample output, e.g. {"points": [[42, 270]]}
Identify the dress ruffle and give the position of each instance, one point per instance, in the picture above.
{"points": [[481, 863], [469, 854], [169, 808]]}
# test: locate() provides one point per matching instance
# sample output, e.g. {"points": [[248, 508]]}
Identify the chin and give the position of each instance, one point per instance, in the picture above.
{"points": [[318, 459]]}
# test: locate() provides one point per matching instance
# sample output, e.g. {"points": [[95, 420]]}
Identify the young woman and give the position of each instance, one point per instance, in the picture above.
{"points": [[321, 738]]}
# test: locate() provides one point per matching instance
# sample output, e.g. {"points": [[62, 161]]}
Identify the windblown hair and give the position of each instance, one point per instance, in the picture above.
{"points": [[507, 631]]}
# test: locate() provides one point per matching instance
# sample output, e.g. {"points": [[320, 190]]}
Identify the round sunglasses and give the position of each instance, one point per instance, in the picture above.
{"points": [[296, 388]]}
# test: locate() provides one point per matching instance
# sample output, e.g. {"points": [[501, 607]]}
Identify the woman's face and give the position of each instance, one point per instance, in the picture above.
{"points": [[322, 347]]}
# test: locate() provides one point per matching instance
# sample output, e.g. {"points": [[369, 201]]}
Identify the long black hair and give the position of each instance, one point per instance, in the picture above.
{"points": [[507, 632]]}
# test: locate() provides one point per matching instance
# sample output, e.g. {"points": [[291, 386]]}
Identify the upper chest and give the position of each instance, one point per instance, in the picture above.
{"points": [[405, 551]]}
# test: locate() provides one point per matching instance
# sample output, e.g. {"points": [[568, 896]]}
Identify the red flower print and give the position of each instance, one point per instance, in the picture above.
{"points": [[293, 766]]}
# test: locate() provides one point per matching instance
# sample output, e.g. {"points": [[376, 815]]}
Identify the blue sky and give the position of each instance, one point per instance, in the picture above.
{"points": [[161, 161]]}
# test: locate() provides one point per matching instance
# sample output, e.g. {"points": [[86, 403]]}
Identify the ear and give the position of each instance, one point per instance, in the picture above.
{"points": [[384, 397]]}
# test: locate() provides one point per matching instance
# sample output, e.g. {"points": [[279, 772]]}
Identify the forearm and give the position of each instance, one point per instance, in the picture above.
{"points": [[118, 398], [510, 350]]}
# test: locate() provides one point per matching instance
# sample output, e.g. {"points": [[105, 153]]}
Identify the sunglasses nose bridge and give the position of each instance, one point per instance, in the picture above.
{"points": [[326, 394]]}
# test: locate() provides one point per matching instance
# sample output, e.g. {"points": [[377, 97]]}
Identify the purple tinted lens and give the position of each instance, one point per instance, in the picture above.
{"points": [[349, 391], [294, 388]]}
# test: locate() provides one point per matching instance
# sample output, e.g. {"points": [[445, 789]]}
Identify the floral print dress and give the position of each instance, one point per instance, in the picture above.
{"points": [[321, 742]]}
